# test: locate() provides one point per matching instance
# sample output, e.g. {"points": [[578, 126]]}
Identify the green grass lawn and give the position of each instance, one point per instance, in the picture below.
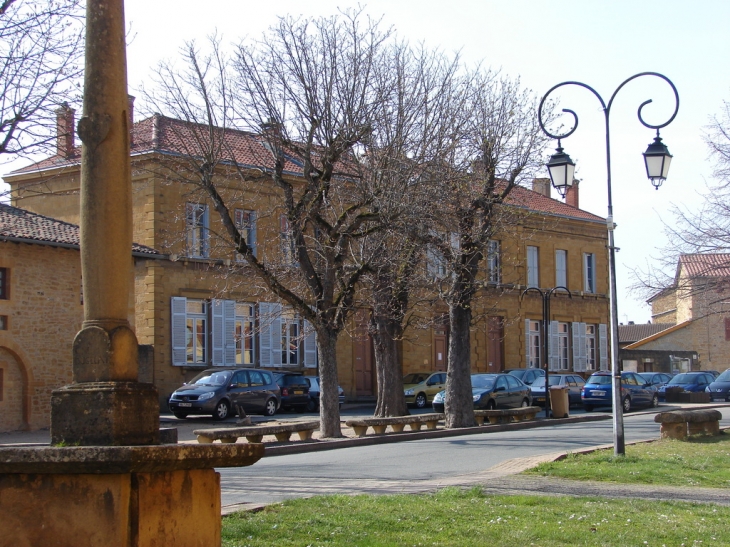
{"points": [[700, 461], [465, 518]]}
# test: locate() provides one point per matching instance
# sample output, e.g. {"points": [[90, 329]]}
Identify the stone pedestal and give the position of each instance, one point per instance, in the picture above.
{"points": [[105, 414], [125, 496]]}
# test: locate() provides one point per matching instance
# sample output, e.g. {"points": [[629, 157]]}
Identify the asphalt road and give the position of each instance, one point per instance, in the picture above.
{"points": [[415, 465]]}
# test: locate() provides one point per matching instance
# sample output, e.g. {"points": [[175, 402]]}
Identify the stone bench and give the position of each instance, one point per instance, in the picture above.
{"points": [[397, 423], [255, 433], [506, 415], [677, 424]]}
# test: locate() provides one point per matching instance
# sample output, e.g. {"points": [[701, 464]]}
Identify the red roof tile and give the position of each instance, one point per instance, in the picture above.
{"points": [[19, 224], [705, 265], [170, 136]]}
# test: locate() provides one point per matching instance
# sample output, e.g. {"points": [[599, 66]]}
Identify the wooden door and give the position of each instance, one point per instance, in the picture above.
{"points": [[441, 343], [363, 355], [495, 344]]}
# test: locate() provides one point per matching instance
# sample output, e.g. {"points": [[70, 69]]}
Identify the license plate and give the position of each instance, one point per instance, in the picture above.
{"points": [[718, 398], [599, 393], [540, 399], [185, 404], [298, 392]]}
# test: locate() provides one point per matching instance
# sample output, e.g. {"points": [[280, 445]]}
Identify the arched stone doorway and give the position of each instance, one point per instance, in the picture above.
{"points": [[14, 404]]}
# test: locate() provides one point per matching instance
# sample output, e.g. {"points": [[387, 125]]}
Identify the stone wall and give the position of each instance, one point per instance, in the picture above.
{"points": [[44, 314]]}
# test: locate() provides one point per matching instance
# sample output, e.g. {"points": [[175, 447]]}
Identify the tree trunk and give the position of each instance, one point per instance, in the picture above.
{"points": [[329, 406], [391, 401], [459, 403]]}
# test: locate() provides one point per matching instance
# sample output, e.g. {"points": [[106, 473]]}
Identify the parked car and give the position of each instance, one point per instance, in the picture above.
{"points": [[689, 381], [527, 375], [573, 382], [657, 379], [719, 390], [294, 390], [218, 391], [635, 391], [313, 402], [715, 373], [490, 391], [421, 387]]}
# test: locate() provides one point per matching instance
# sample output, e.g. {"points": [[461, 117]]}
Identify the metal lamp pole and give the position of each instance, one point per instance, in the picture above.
{"points": [[561, 167], [546, 339]]}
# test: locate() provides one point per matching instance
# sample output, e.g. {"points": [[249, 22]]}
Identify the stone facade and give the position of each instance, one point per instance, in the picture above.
{"points": [[499, 340], [44, 313]]}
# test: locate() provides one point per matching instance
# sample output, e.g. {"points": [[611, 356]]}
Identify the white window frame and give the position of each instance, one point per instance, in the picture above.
{"points": [[533, 266], [578, 330], [244, 334], [591, 347], [563, 336], [197, 229], [589, 272], [245, 221], [202, 336], [494, 261], [561, 268], [533, 340], [275, 334], [288, 246]]}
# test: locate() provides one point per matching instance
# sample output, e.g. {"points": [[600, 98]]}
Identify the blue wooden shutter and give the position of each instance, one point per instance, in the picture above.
{"points": [[178, 306]]}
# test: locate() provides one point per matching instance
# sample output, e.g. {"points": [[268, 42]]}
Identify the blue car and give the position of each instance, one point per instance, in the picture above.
{"points": [[635, 391], [689, 381], [719, 390]]}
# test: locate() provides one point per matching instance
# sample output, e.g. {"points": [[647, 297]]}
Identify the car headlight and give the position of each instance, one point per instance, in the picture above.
{"points": [[409, 392], [206, 396], [707, 389], [476, 398], [439, 398]]}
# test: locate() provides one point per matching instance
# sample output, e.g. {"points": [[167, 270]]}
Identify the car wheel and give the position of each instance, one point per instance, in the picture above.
{"points": [[311, 405], [491, 405], [588, 408], [655, 401], [421, 400], [525, 403], [181, 415], [270, 407], [627, 404], [222, 410]]}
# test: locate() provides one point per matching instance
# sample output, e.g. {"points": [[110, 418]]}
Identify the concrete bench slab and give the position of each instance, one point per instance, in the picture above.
{"points": [[255, 433], [396, 423], [677, 424], [507, 415]]}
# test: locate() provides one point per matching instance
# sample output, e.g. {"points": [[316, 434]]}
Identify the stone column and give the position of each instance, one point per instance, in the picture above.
{"points": [[105, 405]]}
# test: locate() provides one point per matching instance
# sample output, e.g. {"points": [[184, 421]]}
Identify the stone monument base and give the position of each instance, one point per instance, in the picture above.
{"points": [[115, 496], [105, 414]]}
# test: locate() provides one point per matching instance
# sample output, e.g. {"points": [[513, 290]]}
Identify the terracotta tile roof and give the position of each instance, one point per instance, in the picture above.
{"points": [[21, 225], [176, 137], [705, 265], [634, 333], [670, 329]]}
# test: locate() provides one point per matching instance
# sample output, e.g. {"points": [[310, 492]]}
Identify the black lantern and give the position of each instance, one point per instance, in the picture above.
{"points": [[657, 159], [561, 169]]}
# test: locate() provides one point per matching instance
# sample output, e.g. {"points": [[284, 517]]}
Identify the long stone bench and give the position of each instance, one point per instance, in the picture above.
{"points": [[507, 415], [677, 424], [397, 423], [255, 433]]}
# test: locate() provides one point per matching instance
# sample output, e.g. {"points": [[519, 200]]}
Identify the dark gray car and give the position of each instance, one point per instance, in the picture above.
{"points": [[219, 391]]}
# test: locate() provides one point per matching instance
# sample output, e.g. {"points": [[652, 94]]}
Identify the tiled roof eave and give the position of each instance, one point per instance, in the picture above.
{"points": [[595, 220], [63, 245], [658, 335]]}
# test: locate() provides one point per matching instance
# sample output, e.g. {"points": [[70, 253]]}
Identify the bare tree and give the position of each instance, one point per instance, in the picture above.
{"points": [[41, 44], [500, 147]]}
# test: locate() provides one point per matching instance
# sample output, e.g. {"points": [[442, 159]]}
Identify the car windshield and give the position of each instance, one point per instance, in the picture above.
{"points": [[482, 382], [724, 377], [519, 373], [415, 378], [217, 378], [684, 379], [599, 379]]}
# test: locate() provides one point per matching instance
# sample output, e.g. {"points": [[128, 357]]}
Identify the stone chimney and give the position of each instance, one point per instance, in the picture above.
{"points": [[571, 195], [541, 186], [65, 145], [130, 108]]}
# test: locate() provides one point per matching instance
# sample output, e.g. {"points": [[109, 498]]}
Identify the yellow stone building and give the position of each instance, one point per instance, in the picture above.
{"points": [[201, 306]]}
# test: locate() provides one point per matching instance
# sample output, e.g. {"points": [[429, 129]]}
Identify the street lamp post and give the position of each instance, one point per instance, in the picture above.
{"points": [[545, 331], [561, 168]]}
